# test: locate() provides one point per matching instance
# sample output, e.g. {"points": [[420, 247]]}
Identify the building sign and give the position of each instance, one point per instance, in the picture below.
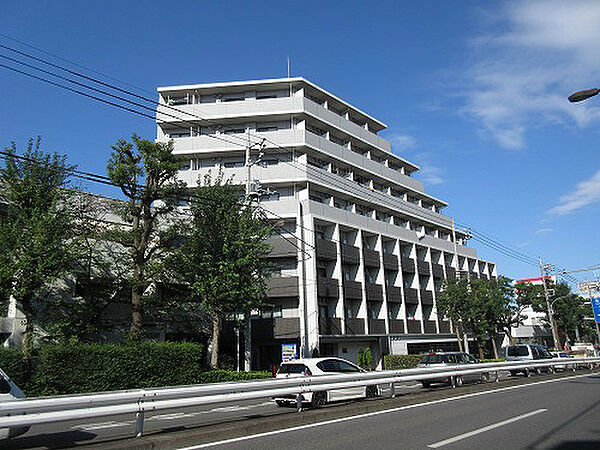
{"points": [[588, 286], [289, 352], [596, 308]]}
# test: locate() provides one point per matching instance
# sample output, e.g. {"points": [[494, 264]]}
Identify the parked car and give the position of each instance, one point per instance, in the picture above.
{"points": [[443, 359], [563, 355], [527, 352], [311, 367], [10, 391]]}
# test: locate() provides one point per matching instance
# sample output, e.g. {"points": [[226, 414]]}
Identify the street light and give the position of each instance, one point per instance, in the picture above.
{"points": [[583, 95]]}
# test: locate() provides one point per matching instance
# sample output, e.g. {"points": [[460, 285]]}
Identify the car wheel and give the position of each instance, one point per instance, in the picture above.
{"points": [[280, 403], [319, 399], [538, 370], [458, 381], [526, 373], [551, 370], [371, 391], [426, 384], [484, 377], [513, 373]]}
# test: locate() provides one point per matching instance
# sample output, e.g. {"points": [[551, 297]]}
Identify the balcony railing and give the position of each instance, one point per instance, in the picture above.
{"points": [[429, 326], [426, 297], [352, 290], [328, 287], [414, 326], [396, 326], [390, 261], [444, 326], [450, 272], [423, 267], [330, 325], [283, 287], [437, 270], [411, 296], [371, 258], [326, 249], [355, 326], [393, 294], [374, 292], [350, 254], [376, 326], [408, 264]]}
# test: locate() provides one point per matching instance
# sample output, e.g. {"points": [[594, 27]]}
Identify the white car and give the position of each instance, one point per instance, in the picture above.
{"points": [[562, 355], [9, 391], [310, 367]]}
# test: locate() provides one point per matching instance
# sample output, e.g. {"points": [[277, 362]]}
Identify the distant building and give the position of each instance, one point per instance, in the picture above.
{"points": [[534, 329], [363, 249]]}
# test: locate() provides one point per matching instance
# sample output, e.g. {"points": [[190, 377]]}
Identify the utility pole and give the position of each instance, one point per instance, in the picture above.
{"points": [[459, 325], [549, 308], [248, 314]]}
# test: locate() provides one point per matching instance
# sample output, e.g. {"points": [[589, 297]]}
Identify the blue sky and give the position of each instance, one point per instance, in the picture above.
{"points": [[472, 92]]}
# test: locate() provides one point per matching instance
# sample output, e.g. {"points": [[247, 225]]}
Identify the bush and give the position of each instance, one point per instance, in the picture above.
{"points": [[492, 360], [365, 358], [74, 369], [395, 362]]}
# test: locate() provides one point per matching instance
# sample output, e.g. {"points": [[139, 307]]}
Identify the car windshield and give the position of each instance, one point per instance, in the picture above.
{"points": [[292, 368], [518, 351], [433, 359]]}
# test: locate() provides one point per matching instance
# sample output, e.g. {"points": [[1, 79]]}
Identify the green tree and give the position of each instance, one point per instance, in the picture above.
{"points": [[146, 175], [452, 302], [224, 255], [36, 229]]}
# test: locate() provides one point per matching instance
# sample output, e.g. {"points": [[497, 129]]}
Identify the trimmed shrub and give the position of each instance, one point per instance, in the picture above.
{"points": [[395, 362], [492, 360], [11, 362]]}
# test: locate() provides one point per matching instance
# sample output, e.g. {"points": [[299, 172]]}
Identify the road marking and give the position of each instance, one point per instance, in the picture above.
{"points": [[172, 416], [376, 413], [493, 426]]}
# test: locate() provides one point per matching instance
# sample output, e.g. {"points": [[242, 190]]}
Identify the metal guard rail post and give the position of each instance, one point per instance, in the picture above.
{"points": [[27, 412]]}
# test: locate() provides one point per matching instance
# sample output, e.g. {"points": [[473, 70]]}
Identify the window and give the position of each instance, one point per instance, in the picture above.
{"points": [[266, 128], [329, 365], [293, 368], [347, 367], [518, 350], [235, 131]]}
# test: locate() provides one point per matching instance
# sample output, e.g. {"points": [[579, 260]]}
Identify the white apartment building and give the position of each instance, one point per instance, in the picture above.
{"points": [[362, 249]]}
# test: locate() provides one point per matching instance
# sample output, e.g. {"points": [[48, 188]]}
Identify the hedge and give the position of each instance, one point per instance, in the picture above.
{"points": [[394, 362], [74, 369]]}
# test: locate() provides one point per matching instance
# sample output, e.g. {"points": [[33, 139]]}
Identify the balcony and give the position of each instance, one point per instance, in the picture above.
{"points": [[371, 257], [430, 327], [396, 326], [278, 328], [450, 272], [473, 275], [390, 261], [355, 326], [352, 290], [281, 247], [414, 326], [330, 325], [423, 267], [437, 270], [350, 254], [326, 249], [376, 326], [444, 327], [426, 297], [374, 292], [411, 296], [408, 264], [328, 287], [393, 294], [283, 287]]}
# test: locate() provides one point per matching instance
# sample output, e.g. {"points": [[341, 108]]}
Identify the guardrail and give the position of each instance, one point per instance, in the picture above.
{"points": [[33, 411]]}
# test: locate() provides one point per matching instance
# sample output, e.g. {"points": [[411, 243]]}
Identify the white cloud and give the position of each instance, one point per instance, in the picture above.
{"points": [[585, 193], [521, 75], [543, 231], [428, 172]]}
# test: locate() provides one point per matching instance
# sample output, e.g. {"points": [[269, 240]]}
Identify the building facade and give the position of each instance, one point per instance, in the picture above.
{"points": [[361, 249]]}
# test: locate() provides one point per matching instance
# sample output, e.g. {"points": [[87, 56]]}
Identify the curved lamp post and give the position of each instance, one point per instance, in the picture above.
{"points": [[579, 96]]}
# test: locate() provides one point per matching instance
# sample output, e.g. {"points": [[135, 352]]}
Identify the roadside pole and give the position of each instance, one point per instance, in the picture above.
{"points": [[549, 308], [248, 314]]}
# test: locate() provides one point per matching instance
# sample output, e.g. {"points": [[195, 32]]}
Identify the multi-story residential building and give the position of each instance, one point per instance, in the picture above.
{"points": [[362, 249]]}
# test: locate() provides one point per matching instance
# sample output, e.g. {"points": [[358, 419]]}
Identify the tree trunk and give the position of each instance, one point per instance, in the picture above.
{"points": [[480, 348], [214, 356], [494, 346], [458, 337], [135, 331]]}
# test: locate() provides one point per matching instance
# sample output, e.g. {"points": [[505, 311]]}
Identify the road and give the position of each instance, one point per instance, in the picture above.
{"points": [[410, 420], [555, 414]]}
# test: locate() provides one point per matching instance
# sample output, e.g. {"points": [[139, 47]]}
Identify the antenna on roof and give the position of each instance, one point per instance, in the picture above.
{"points": [[288, 65]]}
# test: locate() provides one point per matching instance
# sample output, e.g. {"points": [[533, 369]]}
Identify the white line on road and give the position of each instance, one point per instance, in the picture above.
{"points": [[101, 425], [376, 413], [493, 426]]}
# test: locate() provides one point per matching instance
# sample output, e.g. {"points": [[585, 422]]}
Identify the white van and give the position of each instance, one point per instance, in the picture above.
{"points": [[9, 391]]}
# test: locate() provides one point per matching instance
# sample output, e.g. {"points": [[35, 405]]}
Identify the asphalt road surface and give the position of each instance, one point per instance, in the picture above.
{"points": [[418, 418], [558, 414]]}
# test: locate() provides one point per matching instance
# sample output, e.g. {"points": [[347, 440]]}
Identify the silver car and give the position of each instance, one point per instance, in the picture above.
{"points": [[9, 391], [443, 359], [526, 352]]}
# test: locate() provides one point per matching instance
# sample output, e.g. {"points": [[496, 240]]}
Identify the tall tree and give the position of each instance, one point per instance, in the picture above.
{"points": [[224, 255], [452, 302], [146, 173], [36, 229]]}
